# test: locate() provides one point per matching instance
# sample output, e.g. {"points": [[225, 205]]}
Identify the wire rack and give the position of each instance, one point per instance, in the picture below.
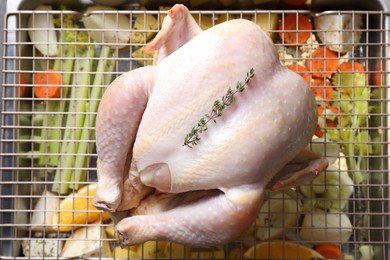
{"points": [[34, 161]]}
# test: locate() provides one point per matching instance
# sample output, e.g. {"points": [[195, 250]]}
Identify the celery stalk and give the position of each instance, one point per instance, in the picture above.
{"points": [[87, 133], [51, 128], [353, 136], [75, 118]]}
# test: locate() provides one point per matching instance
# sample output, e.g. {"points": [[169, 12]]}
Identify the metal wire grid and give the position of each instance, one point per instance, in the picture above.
{"points": [[23, 179]]}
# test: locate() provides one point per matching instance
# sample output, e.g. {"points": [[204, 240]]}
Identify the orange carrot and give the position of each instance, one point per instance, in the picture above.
{"points": [[295, 29], [321, 88], [300, 70], [323, 63], [329, 251], [377, 75], [47, 84], [351, 66], [22, 89], [329, 123]]}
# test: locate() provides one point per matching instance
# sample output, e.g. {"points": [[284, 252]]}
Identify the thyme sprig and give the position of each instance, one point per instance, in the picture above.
{"points": [[192, 138]]}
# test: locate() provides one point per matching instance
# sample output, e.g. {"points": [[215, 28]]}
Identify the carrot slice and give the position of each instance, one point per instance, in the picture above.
{"points": [[22, 89], [351, 66], [295, 29], [47, 84], [300, 70], [321, 88], [328, 122], [323, 63], [329, 251]]}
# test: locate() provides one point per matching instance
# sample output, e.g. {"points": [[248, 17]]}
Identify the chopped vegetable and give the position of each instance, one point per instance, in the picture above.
{"points": [[144, 29], [302, 71], [352, 66], [322, 89], [227, 17], [204, 21], [280, 250], [320, 226], [332, 189], [267, 22], [207, 254], [42, 248], [151, 249], [129, 252], [339, 32], [42, 31], [22, 89], [143, 58], [329, 251], [176, 251], [75, 116], [48, 84], [76, 210], [323, 63], [366, 252], [107, 26], [353, 138], [87, 242], [43, 211], [51, 126], [295, 29], [327, 118], [277, 215]]}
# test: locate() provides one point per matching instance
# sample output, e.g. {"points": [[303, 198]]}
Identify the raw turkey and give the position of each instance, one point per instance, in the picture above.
{"points": [[158, 188]]}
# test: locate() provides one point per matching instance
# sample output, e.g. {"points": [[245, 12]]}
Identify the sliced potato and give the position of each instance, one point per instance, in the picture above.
{"points": [[268, 22]]}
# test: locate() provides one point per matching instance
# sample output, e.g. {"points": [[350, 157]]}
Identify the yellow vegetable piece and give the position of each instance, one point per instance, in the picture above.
{"points": [[76, 210], [145, 28], [110, 230], [226, 17], [235, 253], [205, 22], [212, 254], [176, 251], [152, 249], [280, 250], [267, 22], [90, 241], [127, 252], [143, 58]]}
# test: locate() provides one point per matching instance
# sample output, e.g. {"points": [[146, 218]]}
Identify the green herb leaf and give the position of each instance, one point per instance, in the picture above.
{"points": [[192, 138]]}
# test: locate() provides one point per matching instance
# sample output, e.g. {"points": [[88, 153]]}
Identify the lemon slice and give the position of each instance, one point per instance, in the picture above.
{"points": [[280, 250], [76, 210]]}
